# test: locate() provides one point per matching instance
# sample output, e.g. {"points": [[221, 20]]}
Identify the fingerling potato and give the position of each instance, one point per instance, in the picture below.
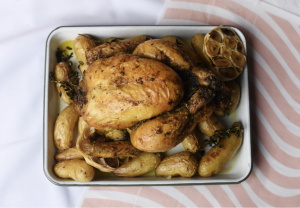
{"points": [[83, 43], [143, 163], [191, 143], [234, 87], [69, 154], [76, 169], [209, 126], [217, 157], [182, 164], [197, 44], [61, 74], [64, 127]]}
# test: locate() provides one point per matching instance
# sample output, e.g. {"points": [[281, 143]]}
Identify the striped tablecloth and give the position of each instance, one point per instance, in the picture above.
{"points": [[273, 36]]}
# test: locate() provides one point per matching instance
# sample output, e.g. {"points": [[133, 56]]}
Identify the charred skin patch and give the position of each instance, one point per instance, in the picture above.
{"points": [[223, 97]]}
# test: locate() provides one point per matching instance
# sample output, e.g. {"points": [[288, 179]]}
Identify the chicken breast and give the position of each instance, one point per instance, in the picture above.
{"points": [[120, 91]]}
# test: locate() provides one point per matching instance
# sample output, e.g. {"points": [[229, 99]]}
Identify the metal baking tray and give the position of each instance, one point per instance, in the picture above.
{"points": [[236, 171]]}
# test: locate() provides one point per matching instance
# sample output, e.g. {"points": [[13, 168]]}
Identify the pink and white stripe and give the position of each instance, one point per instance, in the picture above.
{"points": [[274, 63]]}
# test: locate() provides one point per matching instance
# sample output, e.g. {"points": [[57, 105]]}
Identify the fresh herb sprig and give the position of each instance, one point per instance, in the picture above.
{"points": [[71, 84], [63, 56], [214, 140]]}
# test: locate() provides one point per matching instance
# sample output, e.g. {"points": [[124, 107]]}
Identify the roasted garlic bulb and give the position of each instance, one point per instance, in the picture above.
{"points": [[225, 52]]}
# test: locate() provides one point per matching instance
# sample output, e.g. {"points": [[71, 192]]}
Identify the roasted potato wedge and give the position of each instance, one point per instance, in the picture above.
{"points": [[64, 127], [83, 43], [143, 163], [69, 154], [182, 164], [217, 157], [61, 74], [209, 126], [76, 169], [235, 99]]}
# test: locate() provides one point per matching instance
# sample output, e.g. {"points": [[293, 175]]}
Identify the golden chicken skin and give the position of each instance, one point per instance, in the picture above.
{"points": [[120, 91]]}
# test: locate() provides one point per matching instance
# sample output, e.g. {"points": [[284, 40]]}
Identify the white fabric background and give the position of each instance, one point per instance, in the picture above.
{"points": [[25, 25]]}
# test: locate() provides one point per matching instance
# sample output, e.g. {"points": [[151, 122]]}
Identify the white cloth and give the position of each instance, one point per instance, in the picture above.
{"points": [[25, 25]]}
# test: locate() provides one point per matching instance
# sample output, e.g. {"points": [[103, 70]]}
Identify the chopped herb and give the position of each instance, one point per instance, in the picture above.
{"points": [[69, 48], [81, 63], [59, 93], [220, 146]]}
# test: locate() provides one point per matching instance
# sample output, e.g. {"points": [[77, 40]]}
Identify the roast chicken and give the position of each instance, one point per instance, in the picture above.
{"points": [[156, 93]]}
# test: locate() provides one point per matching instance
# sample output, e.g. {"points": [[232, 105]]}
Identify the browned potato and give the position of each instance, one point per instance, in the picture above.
{"points": [[69, 154], [197, 44], [76, 169], [209, 126], [182, 164], [191, 143], [81, 125], [143, 163], [64, 127], [217, 157], [195, 58], [82, 44], [61, 73], [235, 99]]}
